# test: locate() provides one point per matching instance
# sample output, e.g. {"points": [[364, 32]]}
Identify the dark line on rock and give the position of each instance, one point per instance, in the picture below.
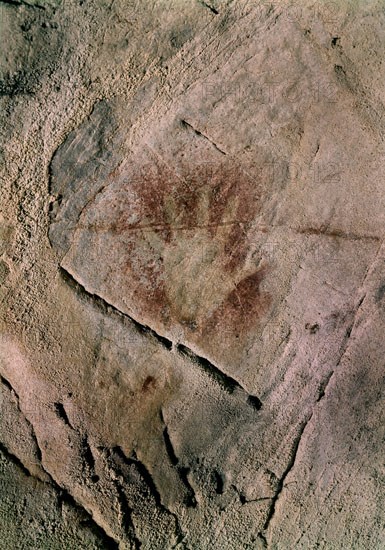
{"points": [[21, 3], [228, 383], [8, 385], [288, 469], [108, 542], [344, 347], [150, 483], [15, 460], [321, 395], [61, 413], [262, 538], [34, 437], [183, 471], [190, 500], [106, 307], [242, 497], [336, 234], [62, 494], [125, 509], [85, 450], [200, 134], [126, 512], [163, 227], [143, 471], [211, 8], [169, 447]]}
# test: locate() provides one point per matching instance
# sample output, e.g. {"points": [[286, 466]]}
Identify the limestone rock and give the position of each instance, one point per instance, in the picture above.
{"points": [[193, 214]]}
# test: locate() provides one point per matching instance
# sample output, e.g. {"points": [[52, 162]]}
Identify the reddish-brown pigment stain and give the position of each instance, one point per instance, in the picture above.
{"points": [[153, 201], [226, 185], [149, 384], [242, 307]]}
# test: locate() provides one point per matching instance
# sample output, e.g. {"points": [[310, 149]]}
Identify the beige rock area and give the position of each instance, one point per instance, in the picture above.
{"points": [[192, 271]]}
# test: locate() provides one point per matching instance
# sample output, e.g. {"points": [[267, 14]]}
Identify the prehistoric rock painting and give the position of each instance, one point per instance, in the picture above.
{"points": [[174, 244], [192, 274]]}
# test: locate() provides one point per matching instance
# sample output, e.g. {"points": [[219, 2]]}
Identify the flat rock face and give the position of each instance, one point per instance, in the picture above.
{"points": [[193, 214]]}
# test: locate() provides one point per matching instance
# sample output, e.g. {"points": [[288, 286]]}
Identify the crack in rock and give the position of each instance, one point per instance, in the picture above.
{"points": [[62, 414], [338, 234], [63, 494], [133, 483], [297, 441], [200, 134], [8, 385], [183, 471], [228, 383], [23, 3], [150, 482], [60, 411], [281, 483], [211, 8]]}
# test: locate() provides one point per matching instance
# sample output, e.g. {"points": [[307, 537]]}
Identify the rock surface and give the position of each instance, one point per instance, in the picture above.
{"points": [[192, 274]]}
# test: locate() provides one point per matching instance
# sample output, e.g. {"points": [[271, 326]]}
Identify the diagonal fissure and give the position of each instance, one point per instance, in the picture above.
{"points": [[108, 540], [227, 383], [321, 395]]}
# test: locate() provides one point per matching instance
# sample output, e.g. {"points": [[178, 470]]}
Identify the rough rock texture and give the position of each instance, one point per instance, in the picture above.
{"points": [[192, 274]]}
